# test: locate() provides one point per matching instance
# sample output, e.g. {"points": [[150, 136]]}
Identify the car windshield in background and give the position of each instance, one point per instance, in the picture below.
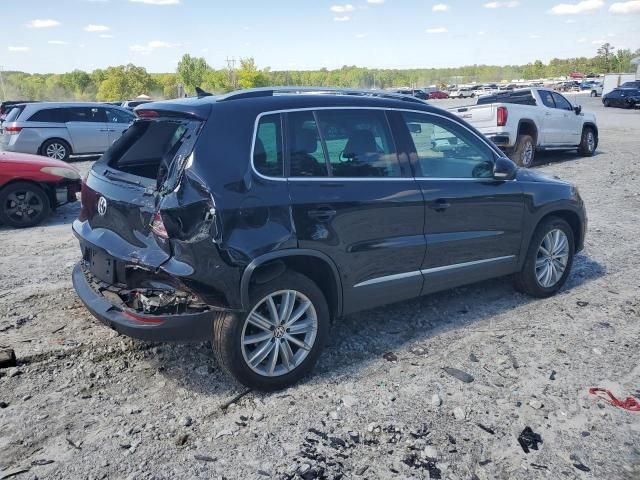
{"points": [[522, 97], [154, 149]]}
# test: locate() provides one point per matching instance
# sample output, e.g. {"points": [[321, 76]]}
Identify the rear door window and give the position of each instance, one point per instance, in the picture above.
{"points": [[86, 114], [267, 148], [306, 155], [118, 116], [359, 143], [547, 98], [49, 115]]}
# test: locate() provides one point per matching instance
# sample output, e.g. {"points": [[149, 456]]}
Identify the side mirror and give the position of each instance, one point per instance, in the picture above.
{"points": [[504, 169], [577, 109]]}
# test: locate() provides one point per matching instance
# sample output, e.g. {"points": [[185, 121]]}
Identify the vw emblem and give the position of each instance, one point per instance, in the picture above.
{"points": [[102, 206]]}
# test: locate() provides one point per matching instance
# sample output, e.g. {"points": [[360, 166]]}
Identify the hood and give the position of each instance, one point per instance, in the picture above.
{"points": [[526, 175], [35, 160]]}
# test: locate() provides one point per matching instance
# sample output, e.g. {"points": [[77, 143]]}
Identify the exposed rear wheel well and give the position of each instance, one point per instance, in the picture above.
{"points": [[312, 267], [527, 127]]}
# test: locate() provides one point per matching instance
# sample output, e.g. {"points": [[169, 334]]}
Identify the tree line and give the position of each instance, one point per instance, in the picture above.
{"points": [[128, 81]]}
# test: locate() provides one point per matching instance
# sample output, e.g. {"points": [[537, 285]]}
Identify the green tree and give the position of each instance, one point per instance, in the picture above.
{"points": [[191, 71], [124, 82], [249, 76], [605, 55]]}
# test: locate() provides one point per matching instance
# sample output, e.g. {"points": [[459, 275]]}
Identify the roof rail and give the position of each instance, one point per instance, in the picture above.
{"points": [[273, 91]]}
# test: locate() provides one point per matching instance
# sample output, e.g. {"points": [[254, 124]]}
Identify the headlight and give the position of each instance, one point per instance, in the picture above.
{"points": [[69, 173]]}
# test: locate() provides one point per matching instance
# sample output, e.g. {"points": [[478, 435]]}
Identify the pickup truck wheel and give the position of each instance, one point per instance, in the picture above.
{"points": [[280, 338], [524, 152], [588, 142], [549, 259]]}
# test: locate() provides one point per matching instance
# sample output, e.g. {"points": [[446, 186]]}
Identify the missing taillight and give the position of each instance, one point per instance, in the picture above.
{"points": [[157, 226]]}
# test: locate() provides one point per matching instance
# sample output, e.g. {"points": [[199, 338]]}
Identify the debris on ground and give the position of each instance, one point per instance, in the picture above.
{"points": [[528, 439], [459, 374], [7, 358]]}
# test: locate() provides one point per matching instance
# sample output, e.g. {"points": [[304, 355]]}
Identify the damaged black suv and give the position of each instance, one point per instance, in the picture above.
{"points": [[256, 218]]}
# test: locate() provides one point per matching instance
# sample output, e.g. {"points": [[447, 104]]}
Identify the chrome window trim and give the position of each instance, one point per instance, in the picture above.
{"points": [[358, 179], [428, 271]]}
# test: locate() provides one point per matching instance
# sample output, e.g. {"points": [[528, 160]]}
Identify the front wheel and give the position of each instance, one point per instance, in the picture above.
{"points": [[588, 142], [524, 152], [23, 204], [280, 339], [549, 259], [606, 103]]}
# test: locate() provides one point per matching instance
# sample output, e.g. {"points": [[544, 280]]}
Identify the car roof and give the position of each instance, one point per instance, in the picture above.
{"points": [[278, 98]]}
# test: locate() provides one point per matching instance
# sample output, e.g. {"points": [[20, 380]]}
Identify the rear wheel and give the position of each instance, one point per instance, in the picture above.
{"points": [[55, 148], [524, 152], [606, 103], [549, 259], [594, 94], [23, 204], [280, 339], [588, 142]]}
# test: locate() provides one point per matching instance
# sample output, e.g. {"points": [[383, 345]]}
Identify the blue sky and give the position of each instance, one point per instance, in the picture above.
{"points": [[60, 35]]}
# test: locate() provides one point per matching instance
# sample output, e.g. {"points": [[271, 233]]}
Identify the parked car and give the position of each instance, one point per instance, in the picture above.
{"points": [[439, 94], [596, 89], [464, 92], [32, 186], [525, 120], [414, 93], [131, 104], [622, 97], [59, 130], [256, 218]]}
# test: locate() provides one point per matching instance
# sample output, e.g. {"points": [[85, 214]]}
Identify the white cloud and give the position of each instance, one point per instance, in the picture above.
{"points": [[151, 46], [440, 7], [96, 28], [342, 8], [18, 49], [57, 42], [43, 23], [625, 7], [437, 30], [344, 18], [511, 4], [375, 2], [106, 35], [586, 6], [157, 2]]}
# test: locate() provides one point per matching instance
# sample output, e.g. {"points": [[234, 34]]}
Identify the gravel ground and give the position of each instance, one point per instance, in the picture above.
{"points": [[87, 403]]}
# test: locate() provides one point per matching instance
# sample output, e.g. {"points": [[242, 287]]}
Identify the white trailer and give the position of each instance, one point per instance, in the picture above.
{"points": [[614, 80]]}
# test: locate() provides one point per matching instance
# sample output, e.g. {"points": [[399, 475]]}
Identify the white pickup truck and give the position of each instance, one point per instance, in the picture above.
{"points": [[523, 121]]}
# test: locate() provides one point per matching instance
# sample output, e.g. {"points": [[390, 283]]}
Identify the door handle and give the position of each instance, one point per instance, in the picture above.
{"points": [[322, 214], [439, 205]]}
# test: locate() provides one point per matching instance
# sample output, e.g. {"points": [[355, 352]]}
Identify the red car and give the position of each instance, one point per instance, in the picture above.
{"points": [[32, 186], [438, 94]]}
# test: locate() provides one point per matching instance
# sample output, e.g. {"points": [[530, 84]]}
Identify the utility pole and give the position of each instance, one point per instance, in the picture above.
{"points": [[231, 66], [4, 94]]}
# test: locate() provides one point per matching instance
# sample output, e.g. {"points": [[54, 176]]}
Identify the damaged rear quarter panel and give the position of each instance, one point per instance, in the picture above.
{"points": [[223, 216]]}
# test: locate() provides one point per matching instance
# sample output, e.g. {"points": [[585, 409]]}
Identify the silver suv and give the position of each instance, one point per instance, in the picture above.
{"points": [[59, 130]]}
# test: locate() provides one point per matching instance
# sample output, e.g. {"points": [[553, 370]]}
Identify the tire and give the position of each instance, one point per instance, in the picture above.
{"points": [[230, 330], [23, 204], [56, 148], [588, 142], [526, 281], [606, 103], [594, 94], [524, 152]]}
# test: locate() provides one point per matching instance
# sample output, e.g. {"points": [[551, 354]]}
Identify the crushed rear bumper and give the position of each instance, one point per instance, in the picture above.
{"points": [[184, 327]]}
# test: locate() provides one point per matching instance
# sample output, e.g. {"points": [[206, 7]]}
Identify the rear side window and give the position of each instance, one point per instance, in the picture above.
{"points": [[50, 115], [267, 149], [14, 113], [519, 98], [547, 98], [86, 114], [118, 116]]}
